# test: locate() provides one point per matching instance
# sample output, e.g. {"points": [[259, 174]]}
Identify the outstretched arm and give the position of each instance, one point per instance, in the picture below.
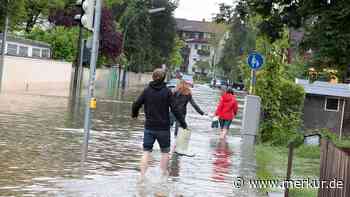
{"points": [[195, 106], [178, 115], [137, 105]]}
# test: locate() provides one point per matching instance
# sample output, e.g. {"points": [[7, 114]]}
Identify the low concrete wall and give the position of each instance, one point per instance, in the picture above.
{"points": [[36, 75], [104, 77], [50, 77]]}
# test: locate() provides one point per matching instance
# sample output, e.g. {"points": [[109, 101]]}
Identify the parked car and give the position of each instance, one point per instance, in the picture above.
{"points": [[217, 83], [238, 86], [172, 83]]}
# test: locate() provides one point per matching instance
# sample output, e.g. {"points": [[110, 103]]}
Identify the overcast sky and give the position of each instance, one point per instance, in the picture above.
{"points": [[199, 9]]}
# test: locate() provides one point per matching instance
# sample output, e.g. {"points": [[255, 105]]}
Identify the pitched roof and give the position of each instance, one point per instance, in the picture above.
{"points": [[194, 26], [325, 88], [13, 38]]}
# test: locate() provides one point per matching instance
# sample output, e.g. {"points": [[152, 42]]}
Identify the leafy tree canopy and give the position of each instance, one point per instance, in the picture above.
{"points": [[16, 13]]}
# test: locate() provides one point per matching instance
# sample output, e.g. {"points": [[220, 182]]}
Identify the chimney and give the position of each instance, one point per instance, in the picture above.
{"points": [[203, 20]]}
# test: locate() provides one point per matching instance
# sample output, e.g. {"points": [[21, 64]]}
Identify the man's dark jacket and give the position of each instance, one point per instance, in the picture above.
{"points": [[157, 99]]}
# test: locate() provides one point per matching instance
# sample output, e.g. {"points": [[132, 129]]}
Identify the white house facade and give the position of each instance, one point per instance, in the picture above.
{"points": [[197, 35]]}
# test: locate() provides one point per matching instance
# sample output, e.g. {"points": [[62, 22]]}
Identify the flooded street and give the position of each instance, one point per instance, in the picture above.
{"points": [[41, 139]]}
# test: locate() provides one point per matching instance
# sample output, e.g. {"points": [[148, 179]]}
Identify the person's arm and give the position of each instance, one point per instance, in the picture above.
{"points": [[219, 107], [175, 110], [136, 106], [195, 106]]}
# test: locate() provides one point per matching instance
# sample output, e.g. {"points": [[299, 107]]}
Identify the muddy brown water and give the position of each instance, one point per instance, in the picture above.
{"points": [[41, 139]]}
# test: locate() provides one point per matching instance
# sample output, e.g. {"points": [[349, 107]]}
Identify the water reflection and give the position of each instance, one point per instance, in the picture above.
{"points": [[222, 161], [174, 167]]}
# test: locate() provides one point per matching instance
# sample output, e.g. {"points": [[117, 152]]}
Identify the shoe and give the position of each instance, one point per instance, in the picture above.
{"points": [[186, 154]]}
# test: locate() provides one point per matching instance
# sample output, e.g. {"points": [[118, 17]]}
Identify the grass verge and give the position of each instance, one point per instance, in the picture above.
{"points": [[272, 164]]}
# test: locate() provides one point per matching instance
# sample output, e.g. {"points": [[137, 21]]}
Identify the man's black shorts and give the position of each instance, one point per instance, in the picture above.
{"points": [[162, 137]]}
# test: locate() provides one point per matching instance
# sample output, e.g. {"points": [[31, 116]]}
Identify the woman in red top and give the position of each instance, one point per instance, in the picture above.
{"points": [[226, 110]]}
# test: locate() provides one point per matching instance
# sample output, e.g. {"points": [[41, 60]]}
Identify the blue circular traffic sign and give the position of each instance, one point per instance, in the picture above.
{"points": [[255, 61]]}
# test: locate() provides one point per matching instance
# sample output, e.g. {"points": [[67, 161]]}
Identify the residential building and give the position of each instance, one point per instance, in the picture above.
{"points": [[18, 46], [197, 35]]}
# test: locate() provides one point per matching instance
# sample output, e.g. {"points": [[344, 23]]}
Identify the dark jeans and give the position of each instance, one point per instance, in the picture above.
{"points": [[162, 137]]}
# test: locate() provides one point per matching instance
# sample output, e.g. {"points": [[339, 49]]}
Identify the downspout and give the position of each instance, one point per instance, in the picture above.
{"points": [[342, 120]]}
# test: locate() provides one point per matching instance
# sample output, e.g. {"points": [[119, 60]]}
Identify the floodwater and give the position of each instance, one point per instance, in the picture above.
{"points": [[41, 139]]}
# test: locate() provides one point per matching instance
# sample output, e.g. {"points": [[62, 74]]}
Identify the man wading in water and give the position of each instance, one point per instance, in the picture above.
{"points": [[157, 100]]}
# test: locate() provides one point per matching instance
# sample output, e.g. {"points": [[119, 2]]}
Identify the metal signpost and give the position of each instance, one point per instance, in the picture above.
{"points": [[255, 62], [90, 100]]}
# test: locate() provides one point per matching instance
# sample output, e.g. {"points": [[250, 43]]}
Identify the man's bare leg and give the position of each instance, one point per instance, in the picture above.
{"points": [[144, 164], [164, 161]]}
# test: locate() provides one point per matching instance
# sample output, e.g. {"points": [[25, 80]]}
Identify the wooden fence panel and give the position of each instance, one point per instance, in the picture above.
{"points": [[334, 165]]}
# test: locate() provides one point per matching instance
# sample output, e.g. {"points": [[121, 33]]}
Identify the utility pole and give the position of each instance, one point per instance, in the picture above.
{"points": [[76, 64], [90, 101], [3, 45]]}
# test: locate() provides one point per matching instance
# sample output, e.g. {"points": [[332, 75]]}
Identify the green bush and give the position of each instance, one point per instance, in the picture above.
{"points": [[62, 40], [340, 143], [282, 103]]}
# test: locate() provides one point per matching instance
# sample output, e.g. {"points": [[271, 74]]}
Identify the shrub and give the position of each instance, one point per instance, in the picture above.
{"points": [[282, 103]]}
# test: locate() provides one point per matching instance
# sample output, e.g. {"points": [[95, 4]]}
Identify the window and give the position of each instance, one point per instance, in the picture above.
{"points": [[23, 51], [196, 46], [201, 35], [46, 53], [332, 104], [194, 59], [192, 35], [206, 47], [196, 35], [12, 49], [36, 52]]}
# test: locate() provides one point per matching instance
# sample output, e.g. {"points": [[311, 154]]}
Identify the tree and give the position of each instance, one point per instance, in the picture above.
{"points": [[111, 40], [241, 40], [136, 25], [325, 24], [62, 40], [282, 99], [202, 65], [176, 59], [163, 31], [217, 41], [15, 11], [38, 10], [150, 37], [328, 35]]}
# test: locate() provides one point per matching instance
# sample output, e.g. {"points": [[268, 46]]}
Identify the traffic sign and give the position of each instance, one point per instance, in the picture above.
{"points": [[255, 61]]}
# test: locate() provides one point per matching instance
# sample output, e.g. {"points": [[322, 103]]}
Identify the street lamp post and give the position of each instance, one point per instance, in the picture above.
{"points": [[150, 11], [3, 43]]}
